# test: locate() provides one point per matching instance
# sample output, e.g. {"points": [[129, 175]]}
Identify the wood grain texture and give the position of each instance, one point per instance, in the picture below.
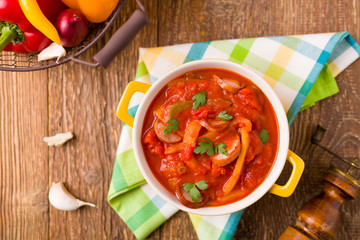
{"points": [[24, 171], [83, 100]]}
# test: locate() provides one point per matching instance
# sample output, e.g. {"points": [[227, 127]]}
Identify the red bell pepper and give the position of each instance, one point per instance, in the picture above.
{"points": [[17, 33]]}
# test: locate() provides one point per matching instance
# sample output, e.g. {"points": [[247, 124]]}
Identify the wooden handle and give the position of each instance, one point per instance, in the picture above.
{"points": [[319, 218], [121, 38]]}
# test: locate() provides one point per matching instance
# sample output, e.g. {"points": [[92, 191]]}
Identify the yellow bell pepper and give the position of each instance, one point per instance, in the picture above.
{"points": [[37, 18], [95, 11]]}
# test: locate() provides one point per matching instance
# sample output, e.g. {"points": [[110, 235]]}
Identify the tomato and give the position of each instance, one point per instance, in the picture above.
{"points": [[172, 166], [249, 98], [187, 151], [216, 170], [152, 143], [255, 148], [201, 113]]}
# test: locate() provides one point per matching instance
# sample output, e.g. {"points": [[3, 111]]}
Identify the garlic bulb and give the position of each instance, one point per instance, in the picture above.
{"points": [[59, 139], [52, 51], [61, 199]]}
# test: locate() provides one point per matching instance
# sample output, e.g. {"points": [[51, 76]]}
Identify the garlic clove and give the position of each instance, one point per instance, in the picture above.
{"points": [[52, 51], [62, 199], [59, 139]]}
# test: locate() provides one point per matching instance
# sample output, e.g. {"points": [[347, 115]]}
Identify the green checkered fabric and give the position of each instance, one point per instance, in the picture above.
{"points": [[300, 69]]}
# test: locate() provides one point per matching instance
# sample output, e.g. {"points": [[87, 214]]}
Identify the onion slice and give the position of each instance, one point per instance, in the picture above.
{"points": [[214, 125], [229, 85]]}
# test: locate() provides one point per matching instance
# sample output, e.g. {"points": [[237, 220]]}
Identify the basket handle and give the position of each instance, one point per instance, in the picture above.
{"points": [[121, 38]]}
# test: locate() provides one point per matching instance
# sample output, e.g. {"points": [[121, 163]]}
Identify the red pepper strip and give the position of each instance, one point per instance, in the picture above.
{"points": [[245, 128], [27, 38]]}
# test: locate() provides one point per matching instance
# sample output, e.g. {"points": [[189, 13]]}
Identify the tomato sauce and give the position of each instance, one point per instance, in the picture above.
{"points": [[210, 137]]}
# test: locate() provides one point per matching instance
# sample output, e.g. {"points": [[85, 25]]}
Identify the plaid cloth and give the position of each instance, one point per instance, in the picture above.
{"points": [[301, 70]]}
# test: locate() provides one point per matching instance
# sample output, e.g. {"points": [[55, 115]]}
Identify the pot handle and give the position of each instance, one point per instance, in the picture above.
{"points": [[130, 90], [121, 38], [298, 168]]}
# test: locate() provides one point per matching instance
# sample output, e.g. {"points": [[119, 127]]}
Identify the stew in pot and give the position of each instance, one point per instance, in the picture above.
{"points": [[210, 137]]}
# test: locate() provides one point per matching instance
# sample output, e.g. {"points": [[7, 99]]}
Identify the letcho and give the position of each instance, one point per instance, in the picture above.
{"points": [[210, 137]]}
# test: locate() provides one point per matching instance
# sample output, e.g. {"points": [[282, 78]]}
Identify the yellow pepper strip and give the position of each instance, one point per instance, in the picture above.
{"points": [[95, 11], [36, 17], [244, 133]]}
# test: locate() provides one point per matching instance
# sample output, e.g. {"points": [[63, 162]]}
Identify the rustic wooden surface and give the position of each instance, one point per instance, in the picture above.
{"points": [[83, 100]]}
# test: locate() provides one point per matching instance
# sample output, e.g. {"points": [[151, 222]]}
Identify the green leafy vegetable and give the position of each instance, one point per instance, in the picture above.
{"points": [[192, 189], [221, 148], [264, 136], [208, 148], [200, 99], [172, 125], [205, 147], [224, 116]]}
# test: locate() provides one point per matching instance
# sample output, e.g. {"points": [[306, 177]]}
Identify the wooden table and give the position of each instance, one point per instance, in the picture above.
{"points": [[83, 100]]}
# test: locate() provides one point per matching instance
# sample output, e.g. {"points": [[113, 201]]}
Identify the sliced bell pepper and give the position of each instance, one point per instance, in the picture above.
{"points": [[245, 128], [95, 11], [179, 107], [17, 33]]}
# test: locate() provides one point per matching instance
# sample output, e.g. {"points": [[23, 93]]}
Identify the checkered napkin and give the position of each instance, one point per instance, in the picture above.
{"points": [[301, 70]]}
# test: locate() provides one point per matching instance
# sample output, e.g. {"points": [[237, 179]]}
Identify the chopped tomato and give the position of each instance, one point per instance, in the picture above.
{"points": [[216, 170], [201, 112], [187, 151], [198, 167], [172, 167], [249, 97], [154, 145], [176, 90], [255, 148]]}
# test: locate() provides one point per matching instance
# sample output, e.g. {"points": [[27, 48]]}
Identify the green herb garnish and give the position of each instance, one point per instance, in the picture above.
{"points": [[264, 136], [224, 116], [221, 148], [172, 125], [205, 147], [209, 148], [201, 184], [193, 189], [200, 99]]}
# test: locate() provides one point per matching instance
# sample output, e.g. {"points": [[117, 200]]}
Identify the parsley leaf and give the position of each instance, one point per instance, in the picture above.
{"points": [[264, 136], [205, 147], [173, 125], [208, 148], [221, 148], [192, 189], [187, 186], [202, 185], [200, 99], [224, 116], [195, 194]]}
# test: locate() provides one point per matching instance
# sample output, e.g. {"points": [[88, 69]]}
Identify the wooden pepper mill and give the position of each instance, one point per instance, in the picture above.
{"points": [[319, 218]]}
